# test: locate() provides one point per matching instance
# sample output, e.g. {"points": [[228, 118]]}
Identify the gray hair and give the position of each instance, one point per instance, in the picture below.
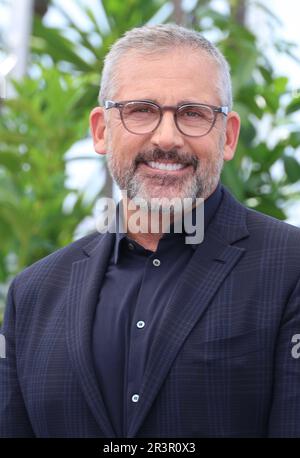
{"points": [[147, 40]]}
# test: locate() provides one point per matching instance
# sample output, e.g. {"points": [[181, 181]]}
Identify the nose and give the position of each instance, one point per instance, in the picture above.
{"points": [[167, 136]]}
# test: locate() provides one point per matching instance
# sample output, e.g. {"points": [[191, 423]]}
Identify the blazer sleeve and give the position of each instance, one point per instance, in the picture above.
{"points": [[14, 421], [284, 420]]}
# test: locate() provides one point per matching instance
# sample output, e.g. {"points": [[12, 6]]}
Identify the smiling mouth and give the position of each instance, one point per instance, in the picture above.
{"points": [[166, 166]]}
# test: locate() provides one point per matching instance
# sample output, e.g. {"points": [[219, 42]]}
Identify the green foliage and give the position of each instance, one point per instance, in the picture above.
{"points": [[37, 128]]}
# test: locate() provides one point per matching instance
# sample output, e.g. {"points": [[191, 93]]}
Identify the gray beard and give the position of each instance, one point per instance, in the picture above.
{"points": [[201, 184]]}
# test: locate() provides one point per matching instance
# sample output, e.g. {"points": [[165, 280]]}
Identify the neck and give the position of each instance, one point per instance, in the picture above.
{"points": [[148, 241], [145, 227]]}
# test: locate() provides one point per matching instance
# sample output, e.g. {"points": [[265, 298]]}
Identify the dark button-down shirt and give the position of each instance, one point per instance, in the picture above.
{"points": [[136, 288]]}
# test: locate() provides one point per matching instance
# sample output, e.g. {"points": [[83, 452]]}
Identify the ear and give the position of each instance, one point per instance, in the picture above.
{"points": [[232, 135], [98, 127]]}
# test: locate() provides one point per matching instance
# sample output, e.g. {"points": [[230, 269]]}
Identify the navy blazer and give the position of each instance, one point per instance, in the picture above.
{"points": [[221, 364]]}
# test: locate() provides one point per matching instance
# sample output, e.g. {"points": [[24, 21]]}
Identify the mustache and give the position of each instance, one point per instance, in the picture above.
{"points": [[172, 155]]}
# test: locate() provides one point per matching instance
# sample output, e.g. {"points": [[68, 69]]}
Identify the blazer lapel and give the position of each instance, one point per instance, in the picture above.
{"points": [[211, 263], [85, 283]]}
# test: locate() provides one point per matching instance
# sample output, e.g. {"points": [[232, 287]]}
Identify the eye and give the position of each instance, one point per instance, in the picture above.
{"points": [[192, 114], [141, 109], [195, 113]]}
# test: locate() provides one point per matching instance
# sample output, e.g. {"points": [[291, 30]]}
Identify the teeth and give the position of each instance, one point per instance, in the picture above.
{"points": [[162, 166]]}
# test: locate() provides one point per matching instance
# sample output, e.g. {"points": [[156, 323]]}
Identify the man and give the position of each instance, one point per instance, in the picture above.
{"points": [[139, 334]]}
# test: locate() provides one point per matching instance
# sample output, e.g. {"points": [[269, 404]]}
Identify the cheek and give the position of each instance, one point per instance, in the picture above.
{"points": [[201, 148], [123, 150], [127, 145], [208, 148]]}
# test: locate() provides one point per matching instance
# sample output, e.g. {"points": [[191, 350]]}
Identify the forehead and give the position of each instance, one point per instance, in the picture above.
{"points": [[168, 77]]}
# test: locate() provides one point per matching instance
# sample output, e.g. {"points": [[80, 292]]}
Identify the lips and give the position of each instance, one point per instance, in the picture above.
{"points": [[166, 166]]}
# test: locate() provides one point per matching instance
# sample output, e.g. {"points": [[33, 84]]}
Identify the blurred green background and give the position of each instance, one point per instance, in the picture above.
{"points": [[40, 209]]}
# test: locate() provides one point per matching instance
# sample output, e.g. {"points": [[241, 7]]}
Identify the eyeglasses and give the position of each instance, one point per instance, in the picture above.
{"points": [[143, 117]]}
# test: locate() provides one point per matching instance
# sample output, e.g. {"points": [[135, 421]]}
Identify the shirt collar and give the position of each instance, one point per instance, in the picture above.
{"points": [[211, 205]]}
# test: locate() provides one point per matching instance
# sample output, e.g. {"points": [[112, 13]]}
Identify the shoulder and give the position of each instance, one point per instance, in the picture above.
{"points": [[259, 225], [59, 261]]}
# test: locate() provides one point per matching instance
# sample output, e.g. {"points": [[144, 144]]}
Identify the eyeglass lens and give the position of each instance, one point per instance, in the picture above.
{"points": [[141, 117]]}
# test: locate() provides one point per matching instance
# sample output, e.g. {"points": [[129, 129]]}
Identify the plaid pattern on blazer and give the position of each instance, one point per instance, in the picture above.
{"points": [[221, 364]]}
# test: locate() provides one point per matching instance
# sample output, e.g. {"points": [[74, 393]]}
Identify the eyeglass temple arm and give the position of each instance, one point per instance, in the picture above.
{"points": [[110, 104], [223, 110]]}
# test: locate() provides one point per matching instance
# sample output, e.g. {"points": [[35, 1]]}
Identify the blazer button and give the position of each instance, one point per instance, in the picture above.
{"points": [[135, 398]]}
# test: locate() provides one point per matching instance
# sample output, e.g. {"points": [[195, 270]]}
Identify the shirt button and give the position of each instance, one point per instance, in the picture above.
{"points": [[140, 324], [130, 246], [135, 398], [156, 262]]}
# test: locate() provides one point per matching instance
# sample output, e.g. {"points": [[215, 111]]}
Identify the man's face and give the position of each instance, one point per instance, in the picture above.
{"points": [[137, 162]]}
